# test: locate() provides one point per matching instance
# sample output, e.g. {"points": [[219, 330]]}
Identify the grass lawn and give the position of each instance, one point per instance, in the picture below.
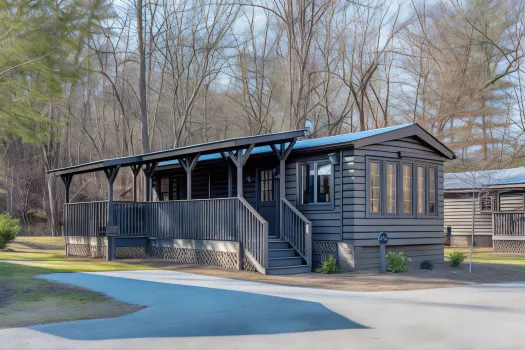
{"points": [[486, 255], [26, 300]]}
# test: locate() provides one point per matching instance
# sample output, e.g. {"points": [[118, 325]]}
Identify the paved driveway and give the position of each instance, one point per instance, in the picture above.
{"points": [[186, 311]]}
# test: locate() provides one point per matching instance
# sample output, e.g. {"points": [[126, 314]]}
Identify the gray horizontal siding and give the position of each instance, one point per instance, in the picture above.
{"points": [[326, 222], [458, 212], [422, 235]]}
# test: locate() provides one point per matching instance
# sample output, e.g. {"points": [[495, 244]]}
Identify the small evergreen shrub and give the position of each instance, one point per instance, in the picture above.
{"points": [[397, 262], [9, 228], [457, 258], [329, 266], [426, 265]]}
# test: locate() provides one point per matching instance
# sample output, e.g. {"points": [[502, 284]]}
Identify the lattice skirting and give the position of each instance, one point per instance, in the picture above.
{"points": [[513, 247], [194, 256], [131, 253], [322, 250], [86, 250], [248, 266]]}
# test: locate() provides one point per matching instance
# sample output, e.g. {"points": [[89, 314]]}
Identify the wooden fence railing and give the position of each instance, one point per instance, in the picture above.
{"points": [[85, 219], [297, 230], [508, 223], [223, 219]]}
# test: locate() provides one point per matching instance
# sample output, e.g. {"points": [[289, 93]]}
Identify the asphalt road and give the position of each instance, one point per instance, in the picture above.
{"points": [[187, 311]]}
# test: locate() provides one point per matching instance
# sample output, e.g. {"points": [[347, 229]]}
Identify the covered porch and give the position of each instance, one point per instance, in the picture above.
{"points": [[508, 232], [225, 229]]}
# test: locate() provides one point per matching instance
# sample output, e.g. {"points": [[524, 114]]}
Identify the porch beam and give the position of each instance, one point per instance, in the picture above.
{"points": [[188, 164], [135, 169], [66, 179]]}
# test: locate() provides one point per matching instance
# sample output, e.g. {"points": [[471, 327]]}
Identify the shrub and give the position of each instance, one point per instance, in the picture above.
{"points": [[329, 266], [397, 262], [426, 265], [457, 258], [9, 228]]}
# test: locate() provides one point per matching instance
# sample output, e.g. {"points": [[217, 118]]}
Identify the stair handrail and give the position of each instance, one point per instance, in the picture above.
{"points": [[300, 238], [255, 248]]}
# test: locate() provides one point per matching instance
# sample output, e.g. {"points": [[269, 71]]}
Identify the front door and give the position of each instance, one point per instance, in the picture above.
{"points": [[267, 198]]}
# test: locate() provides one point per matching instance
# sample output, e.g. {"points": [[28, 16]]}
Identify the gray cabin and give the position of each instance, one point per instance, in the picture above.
{"points": [[274, 203], [498, 199]]}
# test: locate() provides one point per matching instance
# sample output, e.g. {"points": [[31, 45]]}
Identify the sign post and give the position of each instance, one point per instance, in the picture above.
{"points": [[383, 240]]}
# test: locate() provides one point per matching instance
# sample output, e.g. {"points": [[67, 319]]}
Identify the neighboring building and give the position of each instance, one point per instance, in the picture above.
{"points": [[337, 195], [498, 197]]}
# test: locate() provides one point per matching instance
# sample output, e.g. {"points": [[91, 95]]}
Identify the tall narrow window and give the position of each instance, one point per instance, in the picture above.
{"points": [[407, 188], [420, 190], [324, 173], [391, 188], [266, 183], [375, 187], [432, 191], [308, 184]]}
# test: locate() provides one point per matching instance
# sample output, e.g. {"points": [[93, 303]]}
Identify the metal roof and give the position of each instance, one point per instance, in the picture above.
{"points": [[212, 150], [485, 178]]}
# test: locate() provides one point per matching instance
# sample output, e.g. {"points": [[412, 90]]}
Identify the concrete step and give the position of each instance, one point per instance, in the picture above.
{"points": [[284, 262], [289, 270], [282, 253]]}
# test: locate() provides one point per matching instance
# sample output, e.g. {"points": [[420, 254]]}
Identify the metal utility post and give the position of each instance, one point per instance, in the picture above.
{"points": [[383, 240]]}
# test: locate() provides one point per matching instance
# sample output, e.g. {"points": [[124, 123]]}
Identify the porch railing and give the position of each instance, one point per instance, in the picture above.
{"points": [[85, 219], [297, 230], [508, 223], [224, 219]]}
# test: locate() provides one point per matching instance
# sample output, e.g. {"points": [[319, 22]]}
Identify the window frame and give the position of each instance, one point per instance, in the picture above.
{"points": [[299, 189], [385, 186], [400, 163], [412, 212], [492, 203]]}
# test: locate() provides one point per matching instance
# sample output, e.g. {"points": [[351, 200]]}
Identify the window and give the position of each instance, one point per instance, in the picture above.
{"points": [[324, 173], [375, 187], [421, 190], [316, 183], [486, 204], [266, 180], [400, 188], [391, 188], [432, 210], [407, 189]]}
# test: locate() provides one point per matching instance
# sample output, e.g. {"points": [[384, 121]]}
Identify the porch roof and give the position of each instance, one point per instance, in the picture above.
{"points": [[214, 148]]}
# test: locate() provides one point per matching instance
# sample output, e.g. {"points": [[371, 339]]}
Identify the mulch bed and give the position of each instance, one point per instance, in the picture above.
{"points": [[442, 276]]}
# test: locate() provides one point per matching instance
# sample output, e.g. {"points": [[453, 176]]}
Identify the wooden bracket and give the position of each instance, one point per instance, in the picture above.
{"points": [[240, 157], [189, 163], [111, 173], [284, 151], [135, 169]]}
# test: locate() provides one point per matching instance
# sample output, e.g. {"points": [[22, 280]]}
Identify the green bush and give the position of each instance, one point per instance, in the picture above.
{"points": [[397, 262], [457, 258], [329, 266], [9, 228]]}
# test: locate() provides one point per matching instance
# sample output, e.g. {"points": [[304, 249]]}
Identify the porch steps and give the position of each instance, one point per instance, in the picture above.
{"points": [[283, 259]]}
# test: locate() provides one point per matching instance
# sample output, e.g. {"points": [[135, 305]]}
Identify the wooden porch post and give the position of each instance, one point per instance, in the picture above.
{"points": [[66, 179], [111, 175], [282, 154], [148, 170], [240, 159], [189, 163], [135, 169]]}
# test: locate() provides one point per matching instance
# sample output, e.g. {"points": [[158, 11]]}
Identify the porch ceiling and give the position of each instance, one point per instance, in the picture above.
{"points": [[181, 152]]}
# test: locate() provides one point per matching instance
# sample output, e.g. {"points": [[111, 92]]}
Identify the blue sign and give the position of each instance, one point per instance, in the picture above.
{"points": [[383, 238]]}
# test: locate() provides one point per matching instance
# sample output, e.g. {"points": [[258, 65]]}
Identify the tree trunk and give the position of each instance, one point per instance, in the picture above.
{"points": [[142, 81]]}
